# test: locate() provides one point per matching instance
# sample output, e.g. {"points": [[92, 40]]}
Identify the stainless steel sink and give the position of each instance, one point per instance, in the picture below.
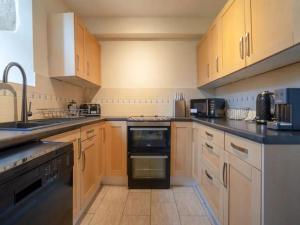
{"points": [[20, 126], [36, 124]]}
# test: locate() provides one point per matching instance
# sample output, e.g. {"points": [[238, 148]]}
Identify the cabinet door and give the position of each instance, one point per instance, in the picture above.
{"points": [[116, 151], [203, 62], [88, 170], [296, 19], [215, 62], [233, 31], [181, 149], [196, 154], [79, 48], [101, 151], [242, 193], [96, 60], [269, 28]]}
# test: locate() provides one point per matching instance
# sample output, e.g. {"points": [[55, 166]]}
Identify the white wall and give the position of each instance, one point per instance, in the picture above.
{"points": [[142, 77], [17, 45], [149, 64]]}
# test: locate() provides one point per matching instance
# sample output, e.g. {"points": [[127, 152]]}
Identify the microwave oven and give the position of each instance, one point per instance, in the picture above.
{"points": [[208, 107]]}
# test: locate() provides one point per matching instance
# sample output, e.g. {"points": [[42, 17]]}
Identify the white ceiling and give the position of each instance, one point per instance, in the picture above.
{"points": [[147, 8]]}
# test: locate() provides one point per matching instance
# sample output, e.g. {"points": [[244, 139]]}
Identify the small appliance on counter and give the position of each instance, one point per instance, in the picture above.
{"points": [[179, 105], [287, 110], [264, 107], [208, 107], [72, 108], [89, 109]]}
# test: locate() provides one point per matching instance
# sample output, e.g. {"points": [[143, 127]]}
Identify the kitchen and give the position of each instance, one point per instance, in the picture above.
{"points": [[149, 112]]}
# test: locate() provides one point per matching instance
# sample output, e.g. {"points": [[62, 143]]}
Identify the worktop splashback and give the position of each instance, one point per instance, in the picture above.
{"points": [[243, 93], [48, 93], [142, 101]]}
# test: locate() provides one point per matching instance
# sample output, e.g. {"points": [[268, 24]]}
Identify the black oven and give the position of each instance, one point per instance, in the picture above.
{"points": [[149, 154]]}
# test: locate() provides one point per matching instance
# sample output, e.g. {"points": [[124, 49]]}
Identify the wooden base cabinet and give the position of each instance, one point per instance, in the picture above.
{"points": [[116, 148], [196, 153], [242, 193], [181, 149]]}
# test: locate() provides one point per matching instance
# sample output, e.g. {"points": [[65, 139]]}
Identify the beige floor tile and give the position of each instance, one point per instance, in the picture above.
{"points": [[87, 219], [116, 194], [135, 220], [194, 220], [98, 199], [160, 196], [188, 204], [164, 214], [138, 204], [108, 213], [182, 189]]}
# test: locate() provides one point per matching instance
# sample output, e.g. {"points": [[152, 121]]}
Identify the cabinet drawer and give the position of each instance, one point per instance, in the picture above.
{"points": [[88, 132], [211, 156], [212, 190], [213, 135], [244, 149]]}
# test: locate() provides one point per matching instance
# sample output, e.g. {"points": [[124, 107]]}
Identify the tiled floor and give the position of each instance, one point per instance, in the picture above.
{"points": [[119, 206]]}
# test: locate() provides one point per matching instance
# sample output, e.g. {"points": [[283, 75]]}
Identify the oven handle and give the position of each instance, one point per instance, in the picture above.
{"points": [[150, 128], [148, 157]]}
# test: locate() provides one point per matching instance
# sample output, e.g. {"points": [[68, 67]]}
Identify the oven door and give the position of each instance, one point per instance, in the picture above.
{"points": [[149, 171], [141, 139]]}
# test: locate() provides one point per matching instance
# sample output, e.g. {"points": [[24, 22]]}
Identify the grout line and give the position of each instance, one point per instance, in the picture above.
{"points": [[123, 211], [176, 207]]}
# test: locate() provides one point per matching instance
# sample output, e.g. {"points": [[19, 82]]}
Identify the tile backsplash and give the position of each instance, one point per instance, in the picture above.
{"points": [[243, 93], [143, 101], [48, 93]]}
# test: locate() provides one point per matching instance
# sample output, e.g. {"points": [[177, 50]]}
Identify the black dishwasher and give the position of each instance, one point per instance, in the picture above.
{"points": [[36, 184]]}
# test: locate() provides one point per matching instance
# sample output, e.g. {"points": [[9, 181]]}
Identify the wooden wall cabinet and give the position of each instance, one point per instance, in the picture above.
{"points": [[181, 149], [74, 54], [74, 137], [269, 25], [116, 148], [203, 61], [250, 37], [233, 31]]}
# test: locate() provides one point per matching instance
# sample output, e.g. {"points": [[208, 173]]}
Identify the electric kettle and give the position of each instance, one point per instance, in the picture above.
{"points": [[265, 107]]}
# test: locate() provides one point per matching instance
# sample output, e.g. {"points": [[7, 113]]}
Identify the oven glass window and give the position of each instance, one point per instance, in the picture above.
{"points": [[148, 137], [148, 168]]}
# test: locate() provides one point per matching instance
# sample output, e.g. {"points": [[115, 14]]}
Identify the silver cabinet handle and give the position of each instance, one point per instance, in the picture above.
{"points": [[208, 175], [238, 148], [209, 134], [79, 148], [225, 174], [83, 161], [247, 43], [217, 64], [209, 146], [242, 47], [208, 70], [148, 157]]}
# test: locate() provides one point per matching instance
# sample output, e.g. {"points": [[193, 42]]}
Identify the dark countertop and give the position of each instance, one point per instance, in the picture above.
{"points": [[249, 130], [12, 138]]}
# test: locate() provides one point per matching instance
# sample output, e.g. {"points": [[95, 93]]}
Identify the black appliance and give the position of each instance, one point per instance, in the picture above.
{"points": [[89, 109], [36, 184], [264, 107], [287, 110], [149, 154], [208, 107]]}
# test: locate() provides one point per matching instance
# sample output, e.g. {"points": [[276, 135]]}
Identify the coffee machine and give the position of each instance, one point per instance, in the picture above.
{"points": [[287, 110]]}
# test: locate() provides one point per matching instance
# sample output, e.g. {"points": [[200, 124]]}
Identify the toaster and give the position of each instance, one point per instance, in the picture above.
{"points": [[89, 109]]}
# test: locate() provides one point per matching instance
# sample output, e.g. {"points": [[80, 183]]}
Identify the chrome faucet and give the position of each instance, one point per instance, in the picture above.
{"points": [[24, 113]]}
